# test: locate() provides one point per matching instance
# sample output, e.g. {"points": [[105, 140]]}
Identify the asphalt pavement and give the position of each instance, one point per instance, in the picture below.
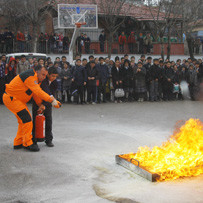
{"points": [[81, 167]]}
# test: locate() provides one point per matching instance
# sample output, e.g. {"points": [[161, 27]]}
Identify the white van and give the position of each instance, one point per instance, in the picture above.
{"points": [[27, 55]]}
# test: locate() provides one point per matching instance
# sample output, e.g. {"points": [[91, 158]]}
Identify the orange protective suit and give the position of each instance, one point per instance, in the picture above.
{"points": [[18, 92]]}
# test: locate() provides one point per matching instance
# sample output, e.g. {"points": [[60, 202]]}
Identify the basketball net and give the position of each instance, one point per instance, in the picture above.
{"points": [[78, 25]]}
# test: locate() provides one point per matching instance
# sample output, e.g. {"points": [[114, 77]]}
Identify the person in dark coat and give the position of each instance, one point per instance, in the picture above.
{"points": [[2, 42], [102, 38], [127, 74], [84, 64], [117, 78], [28, 39], [66, 43], [201, 72], [103, 78], [80, 79], [147, 67], [92, 76], [56, 41], [140, 81], [141, 43], [168, 75], [87, 43], [49, 85], [192, 81], [197, 68], [91, 58], [51, 42], [42, 43], [183, 74], [154, 78], [80, 43], [8, 35], [176, 79], [63, 60], [66, 77], [161, 66]]}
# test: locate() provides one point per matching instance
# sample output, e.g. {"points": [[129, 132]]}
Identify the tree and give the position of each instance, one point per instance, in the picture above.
{"points": [[36, 15], [114, 12], [12, 14], [190, 11], [28, 12], [164, 18]]}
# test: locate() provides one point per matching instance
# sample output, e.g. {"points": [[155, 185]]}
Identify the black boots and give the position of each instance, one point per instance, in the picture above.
{"points": [[18, 146], [33, 148], [49, 144]]}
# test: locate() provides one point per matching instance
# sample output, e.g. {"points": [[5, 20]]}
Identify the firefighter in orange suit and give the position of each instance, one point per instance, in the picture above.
{"points": [[18, 92]]}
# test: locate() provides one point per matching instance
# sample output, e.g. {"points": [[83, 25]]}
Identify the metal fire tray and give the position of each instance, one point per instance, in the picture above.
{"points": [[136, 168]]}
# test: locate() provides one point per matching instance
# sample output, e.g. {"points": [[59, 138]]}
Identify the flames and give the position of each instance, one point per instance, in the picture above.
{"points": [[180, 156]]}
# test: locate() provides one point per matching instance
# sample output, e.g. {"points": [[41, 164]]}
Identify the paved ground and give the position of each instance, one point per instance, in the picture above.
{"points": [[81, 167]]}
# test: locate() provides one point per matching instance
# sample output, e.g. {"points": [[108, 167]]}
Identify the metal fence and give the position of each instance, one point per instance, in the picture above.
{"points": [[59, 48], [42, 47]]}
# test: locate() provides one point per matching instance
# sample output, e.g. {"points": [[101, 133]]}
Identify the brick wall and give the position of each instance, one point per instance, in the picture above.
{"points": [[49, 24], [176, 48]]}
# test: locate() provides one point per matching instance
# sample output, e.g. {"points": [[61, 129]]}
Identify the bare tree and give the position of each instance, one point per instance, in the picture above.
{"points": [[190, 11], [28, 12], [35, 13], [12, 14], [164, 18], [114, 13]]}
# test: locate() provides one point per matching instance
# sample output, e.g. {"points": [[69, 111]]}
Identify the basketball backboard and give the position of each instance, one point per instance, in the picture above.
{"points": [[69, 14]]}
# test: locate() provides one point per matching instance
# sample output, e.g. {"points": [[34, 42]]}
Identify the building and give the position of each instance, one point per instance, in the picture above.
{"points": [[134, 17], [137, 19]]}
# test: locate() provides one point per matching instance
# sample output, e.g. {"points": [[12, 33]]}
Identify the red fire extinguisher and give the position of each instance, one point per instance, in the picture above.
{"points": [[40, 128]]}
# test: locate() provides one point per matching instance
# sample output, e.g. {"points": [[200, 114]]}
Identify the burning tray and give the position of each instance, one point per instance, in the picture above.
{"points": [[136, 168]]}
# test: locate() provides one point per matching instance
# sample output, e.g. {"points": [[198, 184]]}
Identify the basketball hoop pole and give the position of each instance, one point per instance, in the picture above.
{"points": [[73, 40]]}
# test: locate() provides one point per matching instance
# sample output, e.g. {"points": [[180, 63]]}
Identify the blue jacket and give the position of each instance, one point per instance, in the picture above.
{"points": [[79, 75], [103, 73], [92, 72]]}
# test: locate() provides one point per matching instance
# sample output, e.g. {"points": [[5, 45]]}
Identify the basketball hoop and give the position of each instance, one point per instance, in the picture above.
{"points": [[76, 17], [78, 25]]}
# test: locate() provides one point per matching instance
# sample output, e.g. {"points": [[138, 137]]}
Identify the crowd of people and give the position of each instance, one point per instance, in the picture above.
{"points": [[22, 42], [144, 43], [10, 42], [136, 44], [59, 43], [96, 80]]}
